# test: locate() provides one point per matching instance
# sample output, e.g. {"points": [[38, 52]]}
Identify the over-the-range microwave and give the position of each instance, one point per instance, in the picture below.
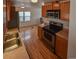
{"points": [[55, 14]]}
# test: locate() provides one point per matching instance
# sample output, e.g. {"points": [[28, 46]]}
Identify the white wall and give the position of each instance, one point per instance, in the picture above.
{"points": [[72, 31], [35, 16]]}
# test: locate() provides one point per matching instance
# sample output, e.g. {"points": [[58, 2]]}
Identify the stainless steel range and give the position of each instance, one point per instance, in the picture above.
{"points": [[50, 33]]}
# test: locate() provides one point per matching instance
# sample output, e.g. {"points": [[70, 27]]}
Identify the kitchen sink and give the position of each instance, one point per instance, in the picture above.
{"points": [[11, 41]]}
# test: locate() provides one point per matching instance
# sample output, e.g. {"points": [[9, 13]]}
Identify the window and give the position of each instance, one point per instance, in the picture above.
{"points": [[27, 16], [24, 16], [21, 16]]}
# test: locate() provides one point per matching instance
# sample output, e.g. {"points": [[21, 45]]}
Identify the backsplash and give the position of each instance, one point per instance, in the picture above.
{"points": [[65, 23]]}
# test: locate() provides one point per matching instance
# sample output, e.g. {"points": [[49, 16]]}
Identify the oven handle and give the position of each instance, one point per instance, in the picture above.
{"points": [[48, 33]]}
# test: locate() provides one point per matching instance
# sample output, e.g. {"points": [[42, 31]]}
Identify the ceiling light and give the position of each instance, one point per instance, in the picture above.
{"points": [[43, 4], [34, 1], [22, 7]]}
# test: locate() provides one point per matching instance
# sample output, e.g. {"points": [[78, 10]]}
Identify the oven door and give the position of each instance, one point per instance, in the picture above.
{"points": [[50, 38]]}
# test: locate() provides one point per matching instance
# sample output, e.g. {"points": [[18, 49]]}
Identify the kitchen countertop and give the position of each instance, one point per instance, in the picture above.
{"points": [[42, 25], [63, 33], [18, 53]]}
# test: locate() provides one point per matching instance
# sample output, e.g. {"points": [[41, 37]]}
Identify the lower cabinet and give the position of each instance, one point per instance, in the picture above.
{"points": [[61, 44], [40, 32], [61, 47]]}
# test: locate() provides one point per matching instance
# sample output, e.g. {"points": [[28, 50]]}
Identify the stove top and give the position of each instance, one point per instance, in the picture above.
{"points": [[52, 29]]}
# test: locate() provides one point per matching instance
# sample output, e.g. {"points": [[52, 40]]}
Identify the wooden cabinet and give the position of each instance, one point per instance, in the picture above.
{"points": [[47, 6], [61, 47], [40, 32], [64, 7], [65, 10], [44, 11], [12, 13], [10, 10], [56, 5]]}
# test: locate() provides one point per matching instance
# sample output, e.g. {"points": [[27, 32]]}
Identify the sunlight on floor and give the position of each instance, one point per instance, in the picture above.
{"points": [[26, 34], [29, 33]]}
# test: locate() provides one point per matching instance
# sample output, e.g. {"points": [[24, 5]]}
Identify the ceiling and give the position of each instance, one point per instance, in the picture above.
{"points": [[28, 3]]}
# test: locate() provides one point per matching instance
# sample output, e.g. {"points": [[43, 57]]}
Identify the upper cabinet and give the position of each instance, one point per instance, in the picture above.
{"points": [[55, 5], [63, 6], [10, 10], [47, 6], [44, 11], [65, 10]]}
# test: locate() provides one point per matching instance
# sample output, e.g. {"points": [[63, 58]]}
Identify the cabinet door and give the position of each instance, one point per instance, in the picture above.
{"points": [[56, 5], [43, 11], [65, 10], [10, 10], [40, 33], [61, 47], [12, 13], [49, 6]]}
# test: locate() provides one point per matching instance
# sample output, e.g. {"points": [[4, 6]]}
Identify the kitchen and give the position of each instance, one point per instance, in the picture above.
{"points": [[39, 28]]}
